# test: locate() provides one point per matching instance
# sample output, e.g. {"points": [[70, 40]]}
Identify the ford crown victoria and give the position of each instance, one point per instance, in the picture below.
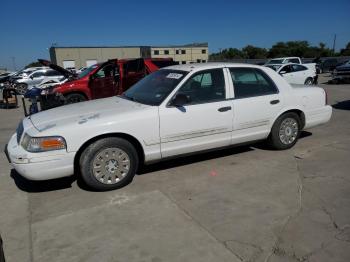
{"points": [[175, 111]]}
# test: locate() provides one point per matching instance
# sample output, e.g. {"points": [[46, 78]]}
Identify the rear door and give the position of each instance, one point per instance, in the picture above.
{"points": [[133, 71], [256, 103], [204, 123], [105, 81], [300, 75], [287, 73]]}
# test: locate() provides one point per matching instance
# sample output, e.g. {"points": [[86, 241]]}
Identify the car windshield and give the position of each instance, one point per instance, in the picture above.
{"points": [[274, 67], [87, 71], [154, 88], [275, 61]]}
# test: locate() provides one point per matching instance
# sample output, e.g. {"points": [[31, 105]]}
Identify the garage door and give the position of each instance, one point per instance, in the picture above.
{"points": [[69, 64], [91, 62]]}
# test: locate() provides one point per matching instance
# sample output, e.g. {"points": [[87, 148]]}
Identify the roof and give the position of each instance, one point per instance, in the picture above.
{"points": [[210, 65], [136, 46]]}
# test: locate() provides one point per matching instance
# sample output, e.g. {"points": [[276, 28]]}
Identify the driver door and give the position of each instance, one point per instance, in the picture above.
{"points": [[105, 82], [288, 74], [204, 122]]}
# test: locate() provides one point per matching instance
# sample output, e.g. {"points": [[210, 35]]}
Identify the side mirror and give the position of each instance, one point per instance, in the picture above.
{"points": [[180, 100], [283, 72]]}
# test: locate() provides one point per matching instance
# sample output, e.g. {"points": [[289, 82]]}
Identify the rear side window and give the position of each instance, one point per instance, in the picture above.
{"points": [[53, 73], [250, 82], [293, 60]]}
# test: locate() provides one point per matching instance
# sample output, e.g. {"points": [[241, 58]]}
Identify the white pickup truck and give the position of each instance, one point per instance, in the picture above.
{"points": [[175, 111], [290, 60]]}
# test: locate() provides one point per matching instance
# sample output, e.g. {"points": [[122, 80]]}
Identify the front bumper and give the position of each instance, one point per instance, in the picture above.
{"points": [[39, 166]]}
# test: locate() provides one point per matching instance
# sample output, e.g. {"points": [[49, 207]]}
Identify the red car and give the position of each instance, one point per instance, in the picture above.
{"points": [[106, 79]]}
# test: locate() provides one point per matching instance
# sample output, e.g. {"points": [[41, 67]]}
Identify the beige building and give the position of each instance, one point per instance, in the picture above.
{"points": [[184, 54], [76, 57]]}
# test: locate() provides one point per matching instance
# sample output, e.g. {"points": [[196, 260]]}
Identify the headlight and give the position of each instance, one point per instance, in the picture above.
{"points": [[42, 144]]}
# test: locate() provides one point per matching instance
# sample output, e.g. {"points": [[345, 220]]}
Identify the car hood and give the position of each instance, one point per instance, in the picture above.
{"points": [[63, 71], [106, 109]]}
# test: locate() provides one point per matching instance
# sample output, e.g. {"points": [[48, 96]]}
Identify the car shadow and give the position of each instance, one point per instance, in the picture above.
{"points": [[343, 105], [265, 146], [193, 158], [30, 186]]}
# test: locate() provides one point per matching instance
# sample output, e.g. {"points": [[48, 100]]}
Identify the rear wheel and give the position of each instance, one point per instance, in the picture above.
{"points": [[108, 164], [309, 81], [75, 98], [285, 131], [21, 89]]}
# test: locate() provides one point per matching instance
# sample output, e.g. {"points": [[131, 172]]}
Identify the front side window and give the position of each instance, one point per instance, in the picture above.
{"points": [[205, 87], [154, 88], [286, 69], [183, 52], [250, 82], [166, 52], [297, 68], [106, 71], [156, 52], [53, 73]]}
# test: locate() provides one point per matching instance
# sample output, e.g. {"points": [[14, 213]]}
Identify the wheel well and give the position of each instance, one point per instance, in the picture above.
{"points": [[300, 114], [131, 139], [76, 92]]}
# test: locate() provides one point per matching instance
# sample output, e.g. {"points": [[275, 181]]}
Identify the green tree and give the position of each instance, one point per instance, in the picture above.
{"points": [[345, 51], [253, 52]]}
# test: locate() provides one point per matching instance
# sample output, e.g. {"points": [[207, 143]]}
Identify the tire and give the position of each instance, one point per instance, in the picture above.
{"points": [[75, 98], [21, 89], [309, 81], [283, 135], [100, 164]]}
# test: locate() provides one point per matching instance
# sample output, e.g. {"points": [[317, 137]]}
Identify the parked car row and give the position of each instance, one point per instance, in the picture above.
{"points": [[173, 111]]}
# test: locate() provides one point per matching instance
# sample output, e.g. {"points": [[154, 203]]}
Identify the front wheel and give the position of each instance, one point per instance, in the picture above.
{"points": [[108, 164], [285, 131], [21, 89], [74, 98]]}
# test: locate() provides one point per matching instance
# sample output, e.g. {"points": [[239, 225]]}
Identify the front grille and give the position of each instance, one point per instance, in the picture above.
{"points": [[19, 131]]}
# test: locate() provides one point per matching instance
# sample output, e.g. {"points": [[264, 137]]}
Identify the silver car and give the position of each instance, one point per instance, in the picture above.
{"points": [[35, 78]]}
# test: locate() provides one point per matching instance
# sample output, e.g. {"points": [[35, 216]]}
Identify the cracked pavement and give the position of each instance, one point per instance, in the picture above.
{"points": [[241, 204]]}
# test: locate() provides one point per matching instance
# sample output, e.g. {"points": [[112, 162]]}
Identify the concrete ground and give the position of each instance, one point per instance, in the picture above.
{"points": [[241, 204]]}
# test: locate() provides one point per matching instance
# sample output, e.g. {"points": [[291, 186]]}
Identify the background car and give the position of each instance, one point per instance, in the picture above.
{"points": [[295, 73], [35, 78]]}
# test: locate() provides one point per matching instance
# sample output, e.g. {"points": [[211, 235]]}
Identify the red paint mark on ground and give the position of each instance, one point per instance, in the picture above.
{"points": [[213, 173]]}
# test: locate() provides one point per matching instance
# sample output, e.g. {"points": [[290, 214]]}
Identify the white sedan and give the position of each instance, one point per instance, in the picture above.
{"points": [[295, 73], [175, 111]]}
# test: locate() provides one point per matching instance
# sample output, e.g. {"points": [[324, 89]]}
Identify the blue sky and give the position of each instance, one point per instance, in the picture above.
{"points": [[28, 28]]}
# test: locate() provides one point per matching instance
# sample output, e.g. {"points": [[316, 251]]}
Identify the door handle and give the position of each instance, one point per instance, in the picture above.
{"points": [[224, 109], [274, 102]]}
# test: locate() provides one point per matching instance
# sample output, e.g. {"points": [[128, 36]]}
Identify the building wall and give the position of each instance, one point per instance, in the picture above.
{"points": [[64, 56], [80, 55], [197, 54]]}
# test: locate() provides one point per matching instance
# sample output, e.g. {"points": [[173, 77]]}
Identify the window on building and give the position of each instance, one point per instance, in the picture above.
{"points": [[248, 82], [183, 52], [204, 61], [166, 52], [198, 60], [156, 52], [204, 51], [183, 62], [177, 51]]}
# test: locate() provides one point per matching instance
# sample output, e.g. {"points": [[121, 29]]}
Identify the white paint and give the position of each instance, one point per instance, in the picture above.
{"points": [[68, 64], [91, 62]]}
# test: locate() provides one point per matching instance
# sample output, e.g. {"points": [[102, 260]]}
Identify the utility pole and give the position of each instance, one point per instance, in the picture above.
{"points": [[14, 63], [335, 37]]}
